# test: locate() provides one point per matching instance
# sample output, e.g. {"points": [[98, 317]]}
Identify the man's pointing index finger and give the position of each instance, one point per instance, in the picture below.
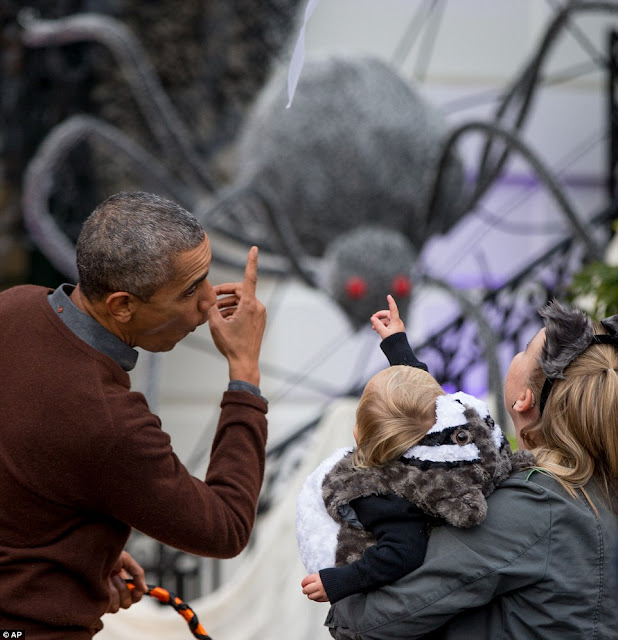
{"points": [[250, 280]]}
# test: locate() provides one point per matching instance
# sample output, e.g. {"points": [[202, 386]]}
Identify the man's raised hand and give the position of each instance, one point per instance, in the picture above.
{"points": [[237, 322]]}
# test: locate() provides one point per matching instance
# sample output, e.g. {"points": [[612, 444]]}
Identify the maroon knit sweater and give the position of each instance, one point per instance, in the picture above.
{"points": [[82, 460]]}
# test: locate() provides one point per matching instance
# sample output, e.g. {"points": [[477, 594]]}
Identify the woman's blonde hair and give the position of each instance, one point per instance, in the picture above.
{"points": [[576, 438], [395, 412]]}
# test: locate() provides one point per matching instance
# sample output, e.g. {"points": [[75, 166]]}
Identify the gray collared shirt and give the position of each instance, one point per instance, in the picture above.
{"points": [[89, 330]]}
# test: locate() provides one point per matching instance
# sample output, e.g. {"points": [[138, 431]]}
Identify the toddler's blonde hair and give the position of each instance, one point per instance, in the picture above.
{"points": [[397, 408]]}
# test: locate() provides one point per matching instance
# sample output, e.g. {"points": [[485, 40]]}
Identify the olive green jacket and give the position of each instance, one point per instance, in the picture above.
{"points": [[541, 566]]}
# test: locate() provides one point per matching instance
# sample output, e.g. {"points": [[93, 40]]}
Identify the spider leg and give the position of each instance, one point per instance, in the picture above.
{"points": [[162, 117], [524, 86], [486, 334], [544, 174], [38, 182]]}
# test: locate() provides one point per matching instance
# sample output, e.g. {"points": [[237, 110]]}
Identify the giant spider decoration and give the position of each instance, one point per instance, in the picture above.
{"points": [[343, 190]]}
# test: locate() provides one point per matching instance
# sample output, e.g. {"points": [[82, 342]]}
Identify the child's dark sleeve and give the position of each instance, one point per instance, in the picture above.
{"points": [[400, 530], [398, 351]]}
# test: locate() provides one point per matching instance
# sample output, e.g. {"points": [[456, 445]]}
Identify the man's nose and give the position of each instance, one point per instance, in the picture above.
{"points": [[207, 297]]}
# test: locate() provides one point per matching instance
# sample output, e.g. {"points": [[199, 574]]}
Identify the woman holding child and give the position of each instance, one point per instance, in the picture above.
{"points": [[542, 565]]}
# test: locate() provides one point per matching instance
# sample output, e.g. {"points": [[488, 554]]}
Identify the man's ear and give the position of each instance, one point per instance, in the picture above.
{"points": [[121, 306]]}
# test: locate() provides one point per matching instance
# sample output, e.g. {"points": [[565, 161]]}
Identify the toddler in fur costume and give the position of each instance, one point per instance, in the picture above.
{"points": [[422, 458]]}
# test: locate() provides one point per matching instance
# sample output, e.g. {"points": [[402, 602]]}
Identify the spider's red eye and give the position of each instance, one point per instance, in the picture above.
{"points": [[356, 287], [401, 286]]}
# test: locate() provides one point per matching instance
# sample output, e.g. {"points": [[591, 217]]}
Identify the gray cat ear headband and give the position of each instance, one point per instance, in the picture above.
{"points": [[568, 333]]}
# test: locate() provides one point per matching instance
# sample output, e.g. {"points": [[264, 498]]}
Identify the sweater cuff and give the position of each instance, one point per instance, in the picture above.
{"points": [[398, 351], [241, 385], [340, 582], [244, 398]]}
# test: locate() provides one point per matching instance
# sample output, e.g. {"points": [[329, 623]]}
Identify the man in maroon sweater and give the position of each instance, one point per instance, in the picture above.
{"points": [[82, 458]]}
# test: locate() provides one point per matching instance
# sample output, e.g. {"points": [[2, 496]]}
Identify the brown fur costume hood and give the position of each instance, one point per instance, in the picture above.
{"points": [[449, 474]]}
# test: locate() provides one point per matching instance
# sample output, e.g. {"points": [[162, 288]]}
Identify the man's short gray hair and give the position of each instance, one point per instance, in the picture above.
{"points": [[129, 242]]}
